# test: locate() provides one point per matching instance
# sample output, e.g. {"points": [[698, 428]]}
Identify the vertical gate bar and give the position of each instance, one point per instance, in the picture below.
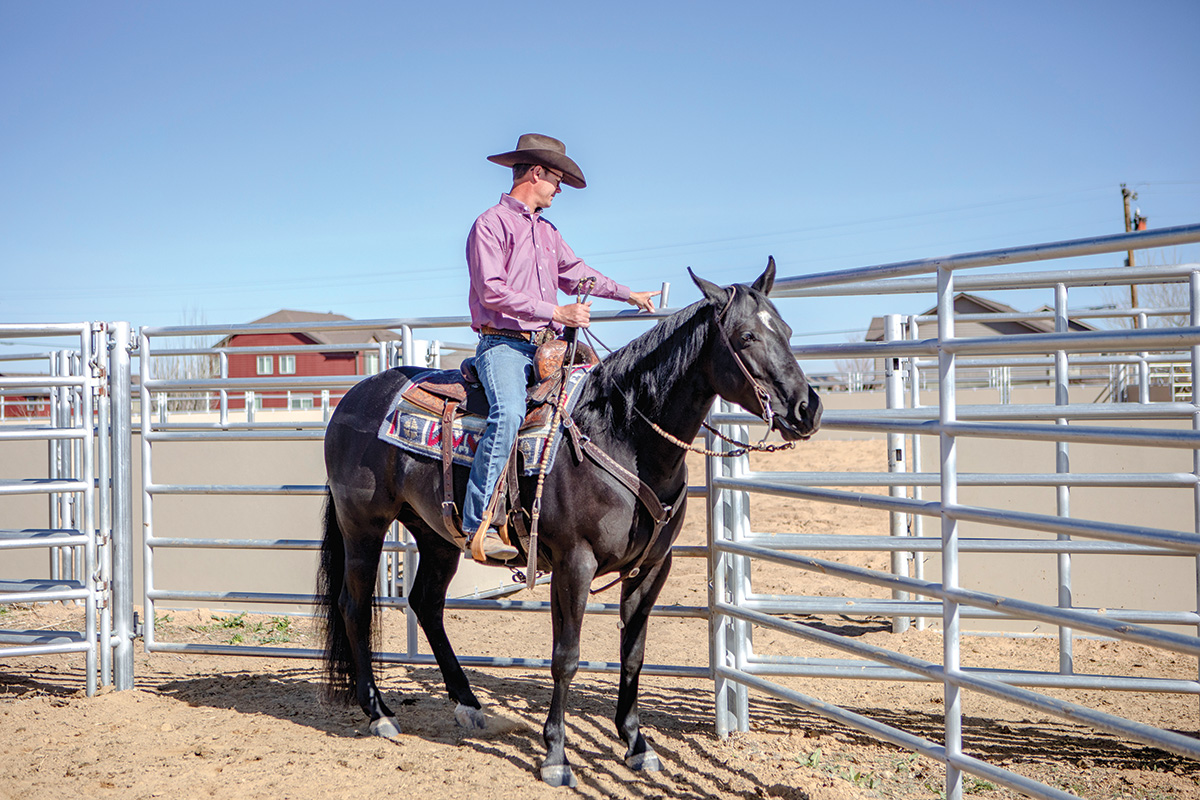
{"points": [[119, 387], [66, 468], [81, 400], [147, 415], [1194, 297], [87, 518], [104, 511], [1143, 365], [1062, 465], [739, 529], [53, 463], [408, 572], [223, 393], [718, 561], [918, 520], [410, 618], [898, 521], [951, 654]]}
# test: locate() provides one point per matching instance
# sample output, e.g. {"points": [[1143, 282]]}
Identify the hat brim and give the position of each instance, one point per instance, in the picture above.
{"points": [[572, 174]]}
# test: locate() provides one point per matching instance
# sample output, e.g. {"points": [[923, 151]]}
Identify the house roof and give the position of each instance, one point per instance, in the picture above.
{"points": [[321, 337], [967, 303]]}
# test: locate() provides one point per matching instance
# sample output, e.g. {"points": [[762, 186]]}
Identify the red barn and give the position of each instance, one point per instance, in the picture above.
{"points": [[23, 402], [344, 360]]}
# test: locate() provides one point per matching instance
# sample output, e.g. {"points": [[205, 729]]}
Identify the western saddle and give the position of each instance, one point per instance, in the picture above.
{"points": [[449, 394]]}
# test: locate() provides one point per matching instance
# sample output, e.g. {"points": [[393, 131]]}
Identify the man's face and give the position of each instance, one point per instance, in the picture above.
{"points": [[546, 185]]}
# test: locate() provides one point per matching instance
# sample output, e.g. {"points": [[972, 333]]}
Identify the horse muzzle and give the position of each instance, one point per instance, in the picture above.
{"points": [[802, 420]]}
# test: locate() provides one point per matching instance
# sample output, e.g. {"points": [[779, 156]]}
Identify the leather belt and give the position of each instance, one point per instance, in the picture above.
{"points": [[538, 337]]}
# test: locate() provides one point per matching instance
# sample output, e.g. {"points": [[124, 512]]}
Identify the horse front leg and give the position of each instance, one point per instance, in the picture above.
{"points": [[637, 599], [568, 599], [438, 564]]}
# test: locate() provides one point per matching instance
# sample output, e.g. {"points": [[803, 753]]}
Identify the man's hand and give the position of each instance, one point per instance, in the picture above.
{"points": [[643, 300], [574, 315]]}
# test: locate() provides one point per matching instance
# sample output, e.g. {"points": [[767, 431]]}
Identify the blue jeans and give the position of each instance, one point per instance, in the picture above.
{"points": [[505, 368]]}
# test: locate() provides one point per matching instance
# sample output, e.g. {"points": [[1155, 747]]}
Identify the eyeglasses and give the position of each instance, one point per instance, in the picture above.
{"points": [[550, 176]]}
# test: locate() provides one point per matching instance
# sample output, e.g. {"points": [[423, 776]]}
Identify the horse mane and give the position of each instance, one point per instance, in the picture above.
{"points": [[638, 373]]}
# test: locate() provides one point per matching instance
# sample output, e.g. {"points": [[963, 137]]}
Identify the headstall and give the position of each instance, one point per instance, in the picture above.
{"points": [[767, 414]]}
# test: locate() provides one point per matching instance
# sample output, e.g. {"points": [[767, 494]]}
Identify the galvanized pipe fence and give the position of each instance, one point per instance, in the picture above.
{"points": [[82, 383], [734, 610]]}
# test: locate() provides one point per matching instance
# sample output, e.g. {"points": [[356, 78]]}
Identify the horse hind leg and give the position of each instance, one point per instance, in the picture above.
{"points": [[356, 602], [427, 598]]}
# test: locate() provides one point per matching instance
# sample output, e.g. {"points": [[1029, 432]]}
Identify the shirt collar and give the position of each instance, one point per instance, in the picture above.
{"points": [[513, 204]]}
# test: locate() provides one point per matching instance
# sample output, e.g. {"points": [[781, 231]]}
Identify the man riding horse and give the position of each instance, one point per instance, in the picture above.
{"points": [[517, 261]]}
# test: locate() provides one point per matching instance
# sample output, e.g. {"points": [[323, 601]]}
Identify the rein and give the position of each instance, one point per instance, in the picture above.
{"points": [[740, 450], [582, 290]]}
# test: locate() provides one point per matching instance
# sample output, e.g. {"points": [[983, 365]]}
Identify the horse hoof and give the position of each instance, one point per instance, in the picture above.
{"points": [[470, 718], [385, 727], [644, 762], [559, 775]]}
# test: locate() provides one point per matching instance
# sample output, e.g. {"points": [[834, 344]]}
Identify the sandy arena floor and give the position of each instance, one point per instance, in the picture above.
{"points": [[203, 726]]}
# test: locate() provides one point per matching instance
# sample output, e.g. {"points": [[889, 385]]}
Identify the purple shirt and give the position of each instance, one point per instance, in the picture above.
{"points": [[517, 262]]}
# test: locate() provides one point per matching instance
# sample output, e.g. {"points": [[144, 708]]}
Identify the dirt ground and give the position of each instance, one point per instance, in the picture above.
{"points": [[235, 727]]}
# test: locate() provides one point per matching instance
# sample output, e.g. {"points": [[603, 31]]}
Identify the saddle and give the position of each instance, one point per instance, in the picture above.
{"points": [[449, 394]]}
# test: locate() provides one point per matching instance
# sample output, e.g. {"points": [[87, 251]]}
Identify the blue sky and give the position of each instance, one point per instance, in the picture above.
{"points": [[168, 162]]}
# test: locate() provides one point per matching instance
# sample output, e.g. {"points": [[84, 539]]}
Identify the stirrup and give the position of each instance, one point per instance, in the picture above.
{"points": [[486, 544]]}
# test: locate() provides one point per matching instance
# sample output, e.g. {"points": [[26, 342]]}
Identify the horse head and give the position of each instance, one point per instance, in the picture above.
{"points": [[756, 369]]}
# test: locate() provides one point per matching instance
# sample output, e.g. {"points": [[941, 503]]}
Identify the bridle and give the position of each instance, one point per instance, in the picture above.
{"points": [[766, 413]]}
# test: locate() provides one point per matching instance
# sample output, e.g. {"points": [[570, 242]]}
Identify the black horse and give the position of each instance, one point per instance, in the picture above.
{"points": [[659, 387]]}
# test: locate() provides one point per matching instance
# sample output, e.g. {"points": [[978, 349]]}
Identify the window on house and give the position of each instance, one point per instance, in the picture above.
{"points": [[372, 363], [266, 365], [287, 365], [300, 402]]}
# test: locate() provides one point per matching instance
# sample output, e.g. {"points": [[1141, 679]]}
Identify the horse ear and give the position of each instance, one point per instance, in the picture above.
{"points": [[715, 294], [766, 281]]}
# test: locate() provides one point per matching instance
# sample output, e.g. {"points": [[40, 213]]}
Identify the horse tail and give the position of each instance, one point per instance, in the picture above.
{"points": [[331, 578]]}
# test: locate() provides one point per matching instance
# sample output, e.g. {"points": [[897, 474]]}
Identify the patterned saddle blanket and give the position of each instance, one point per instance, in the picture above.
{"points": [[417, 430]]}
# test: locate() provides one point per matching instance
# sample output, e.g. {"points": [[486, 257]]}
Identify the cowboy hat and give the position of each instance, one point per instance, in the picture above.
{"points": [[545, 151]]}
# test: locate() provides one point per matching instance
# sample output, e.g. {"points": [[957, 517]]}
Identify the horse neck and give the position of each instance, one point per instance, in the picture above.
{"points": [[663, 377]]}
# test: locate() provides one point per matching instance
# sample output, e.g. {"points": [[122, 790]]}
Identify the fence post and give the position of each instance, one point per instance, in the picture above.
{"points": [[1062, 466], [119, 383], [410, 560], [918, 520], [1143, 365], [102, 352], [725, 650], [1194, 297], [894, 390], [951, 617]]}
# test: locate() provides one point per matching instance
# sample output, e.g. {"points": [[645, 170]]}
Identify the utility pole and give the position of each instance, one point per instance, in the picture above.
{"points": [[1135, 223], [1127, 195]]}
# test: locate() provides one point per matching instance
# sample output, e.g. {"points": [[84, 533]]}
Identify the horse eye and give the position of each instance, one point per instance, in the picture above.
{"points": [[748, 337]]}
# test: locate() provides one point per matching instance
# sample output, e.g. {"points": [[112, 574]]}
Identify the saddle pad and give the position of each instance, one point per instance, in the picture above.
{"points": [[414, 429]]}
